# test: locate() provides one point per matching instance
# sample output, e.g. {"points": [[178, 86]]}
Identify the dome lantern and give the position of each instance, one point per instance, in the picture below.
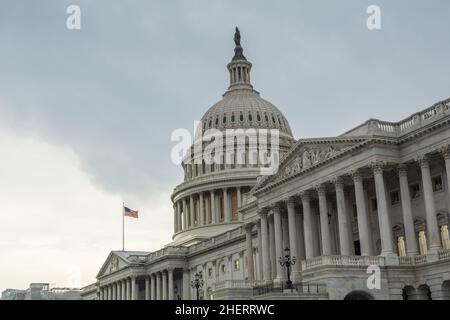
{"points": [[239, 67]]}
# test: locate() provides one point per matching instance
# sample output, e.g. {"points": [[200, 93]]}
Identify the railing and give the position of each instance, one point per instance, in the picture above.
{"points": [[337, 260], [416, 120], [308, 288], [444, 254], [235, 284]]}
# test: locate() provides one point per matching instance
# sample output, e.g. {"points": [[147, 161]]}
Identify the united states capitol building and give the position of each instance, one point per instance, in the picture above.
{"points": [[371, 202]]}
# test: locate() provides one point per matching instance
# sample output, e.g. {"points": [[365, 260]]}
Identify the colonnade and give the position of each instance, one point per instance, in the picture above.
{"points": [[311, 233], [206, 208]]}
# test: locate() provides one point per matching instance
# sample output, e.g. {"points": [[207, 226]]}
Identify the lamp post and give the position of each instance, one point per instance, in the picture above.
{"points": [[287, 261], [197, 283]]}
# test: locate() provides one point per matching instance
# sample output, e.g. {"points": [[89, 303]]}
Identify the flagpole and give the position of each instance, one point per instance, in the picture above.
{"points": [[123, 226]]}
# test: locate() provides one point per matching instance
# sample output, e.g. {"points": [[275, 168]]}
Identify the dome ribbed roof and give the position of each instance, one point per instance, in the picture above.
{"points": [[244, 108]]}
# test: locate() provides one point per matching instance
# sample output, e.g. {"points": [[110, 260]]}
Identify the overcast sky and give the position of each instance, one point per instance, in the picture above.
{"points": [[86, 115]]}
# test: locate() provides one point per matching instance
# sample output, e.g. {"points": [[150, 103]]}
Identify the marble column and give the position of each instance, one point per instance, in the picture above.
{"points": [[128, 284], [213, 210], [239, 202], [164, 285], [408, 220], [180, 224], [152, 286], [185, 216], [134, 295], [147, 288], [119, 290], [249, 249], [278, 242], [186, 290], [272, 253], [192, 210], [260, 257], [158, 286], [307, 225], [265, 245], [434, 242], [446, 152], [324, 227], [171, 288], [343, 223], [226, 210], [201, 212], [124, 290], [114, 287], [364, 230], [293, 244], [175, 218], [383, 212]]}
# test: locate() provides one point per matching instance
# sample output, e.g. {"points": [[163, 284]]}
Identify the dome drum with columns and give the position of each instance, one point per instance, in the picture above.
{"points": [[206, 203]]}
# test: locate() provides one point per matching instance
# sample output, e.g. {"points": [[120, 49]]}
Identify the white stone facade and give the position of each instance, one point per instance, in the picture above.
{"points": [[377, 195]]}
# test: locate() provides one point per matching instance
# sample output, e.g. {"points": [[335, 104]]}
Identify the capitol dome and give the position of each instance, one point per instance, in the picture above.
{"points": [[241, 106], [207, 202], [245, 109]]}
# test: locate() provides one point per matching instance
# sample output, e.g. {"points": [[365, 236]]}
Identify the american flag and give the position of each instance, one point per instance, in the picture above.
{"points": [[127, 212]]}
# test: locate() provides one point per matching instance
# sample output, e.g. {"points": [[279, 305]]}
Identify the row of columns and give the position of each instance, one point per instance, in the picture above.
{"points": [[208, 210], [124, 289], [277, 236], [158, 286]]}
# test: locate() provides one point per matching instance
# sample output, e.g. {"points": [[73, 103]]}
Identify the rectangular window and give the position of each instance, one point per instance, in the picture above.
{"points": [[210, 272], [415, 191], [445, 237], [437, 183], [236, 264], [374, 204], [395, 197], [401, 246], [234, 205], [423, 243]]}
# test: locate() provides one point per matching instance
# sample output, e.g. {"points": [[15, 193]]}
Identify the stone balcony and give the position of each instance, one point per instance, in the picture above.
{"points": [[398, 129]]}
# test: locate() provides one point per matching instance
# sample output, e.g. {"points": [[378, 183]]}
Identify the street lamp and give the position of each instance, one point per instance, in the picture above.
{"points": [[197, 283], [287, 262]]}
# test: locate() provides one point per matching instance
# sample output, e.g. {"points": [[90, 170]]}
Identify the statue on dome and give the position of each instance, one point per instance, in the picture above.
{"points": [[237, 37], [238, 51]]}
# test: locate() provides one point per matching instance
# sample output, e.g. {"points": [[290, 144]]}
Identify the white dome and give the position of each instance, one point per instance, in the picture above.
{"points": [[244, 108]]}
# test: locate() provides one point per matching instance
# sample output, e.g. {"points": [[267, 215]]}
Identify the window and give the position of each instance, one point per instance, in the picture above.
{"points": [[423, 242], [374, 204], [437, 183], [401, 246], [267, 118], [210, 272], [210, 123], [241, 117], [223, 268], [415, 191], [232, 117], [445, 238], [224, 119], [250, 118], [237, 265], [258, 117], [217, 121], [395, 197]]}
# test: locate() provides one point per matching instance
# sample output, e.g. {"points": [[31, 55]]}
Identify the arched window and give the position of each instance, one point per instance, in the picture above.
{"points": [[232, 117], [250, 118], [241, 117], [224, 118]]}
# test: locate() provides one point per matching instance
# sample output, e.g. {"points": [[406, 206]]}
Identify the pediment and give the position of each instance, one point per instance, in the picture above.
{"points": [[112, 264], [307, 154]]}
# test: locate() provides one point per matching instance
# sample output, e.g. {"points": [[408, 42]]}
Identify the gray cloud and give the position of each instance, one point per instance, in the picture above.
{"points": [[114, 91]]}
